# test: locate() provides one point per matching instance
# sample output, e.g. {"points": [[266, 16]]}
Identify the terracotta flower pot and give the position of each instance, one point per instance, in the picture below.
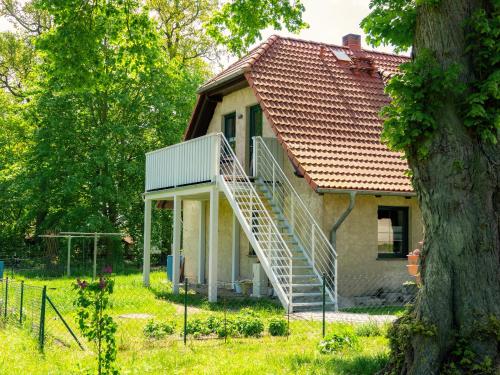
{"points": [[413, 259], [412, 269]]}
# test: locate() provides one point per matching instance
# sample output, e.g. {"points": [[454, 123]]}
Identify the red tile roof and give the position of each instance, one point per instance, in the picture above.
{"points": [[325, 111]]}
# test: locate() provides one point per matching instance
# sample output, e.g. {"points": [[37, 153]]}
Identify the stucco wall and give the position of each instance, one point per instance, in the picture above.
{"points": [[359, 270], [191, 236], [239, 101]]}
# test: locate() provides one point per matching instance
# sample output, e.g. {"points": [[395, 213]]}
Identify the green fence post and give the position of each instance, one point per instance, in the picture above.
{"points": [[225, 320], [41, 336], [6, 297], [185, 308], [21, 303], [324, 303]]}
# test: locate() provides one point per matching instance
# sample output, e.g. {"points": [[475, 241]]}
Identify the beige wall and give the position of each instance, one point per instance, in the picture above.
{"points": [[191, 235], [359, 269], [239, 101]]}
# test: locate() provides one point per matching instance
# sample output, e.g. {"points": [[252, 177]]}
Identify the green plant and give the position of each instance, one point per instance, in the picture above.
{"points": [[197, 327], [342, 338], [158, 330], [97, 326], [369, 329], [278, 327], [248, 324]]}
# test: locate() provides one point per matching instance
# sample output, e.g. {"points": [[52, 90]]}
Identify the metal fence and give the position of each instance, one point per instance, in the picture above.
{"points": [[150, 317], [31, 308]]}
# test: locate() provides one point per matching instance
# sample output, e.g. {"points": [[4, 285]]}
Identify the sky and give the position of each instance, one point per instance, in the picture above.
{"points": [[329, 20]]}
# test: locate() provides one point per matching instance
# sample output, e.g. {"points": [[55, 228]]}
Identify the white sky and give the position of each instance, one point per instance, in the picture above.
{"points": [[329, 20]]}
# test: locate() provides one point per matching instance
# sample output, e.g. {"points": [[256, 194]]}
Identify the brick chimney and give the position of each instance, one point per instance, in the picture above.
{"points": [[353, 41]]}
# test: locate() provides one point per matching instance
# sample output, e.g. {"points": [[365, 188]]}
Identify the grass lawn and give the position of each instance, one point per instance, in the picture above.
{"points": [[297, 354]]}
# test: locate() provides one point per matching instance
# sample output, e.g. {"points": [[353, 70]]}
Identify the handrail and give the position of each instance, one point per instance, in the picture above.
{"points": [[303, 225], [234, 175]]}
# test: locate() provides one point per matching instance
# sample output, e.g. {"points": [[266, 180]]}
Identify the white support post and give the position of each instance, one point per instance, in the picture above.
{"points": [[313, 243], [218, 146], [235, 252], [202, 243], [68, 266], [254, 157], [274, 184], [176, 268], [292, 209], [94, 272], [146, 265], [213, 245]]}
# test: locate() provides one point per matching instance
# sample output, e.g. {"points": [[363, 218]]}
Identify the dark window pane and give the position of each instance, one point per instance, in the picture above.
{"points": [[255, 129], [229, 129], [393, 230]]}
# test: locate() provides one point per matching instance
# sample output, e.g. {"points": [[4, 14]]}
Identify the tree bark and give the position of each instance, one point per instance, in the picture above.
{"points": [[457, 186]]}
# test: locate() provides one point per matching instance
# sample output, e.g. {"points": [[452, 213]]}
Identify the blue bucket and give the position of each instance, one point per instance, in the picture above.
{"points": [[1, 269], [170, 265]]}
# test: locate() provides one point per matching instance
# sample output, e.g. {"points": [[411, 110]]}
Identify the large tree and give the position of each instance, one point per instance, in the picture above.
{"points": [[92, 86], [445, 117]]}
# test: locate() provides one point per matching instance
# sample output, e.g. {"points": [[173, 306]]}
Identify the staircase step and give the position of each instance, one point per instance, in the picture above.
{"points": [[307, 294], [310, 304]]}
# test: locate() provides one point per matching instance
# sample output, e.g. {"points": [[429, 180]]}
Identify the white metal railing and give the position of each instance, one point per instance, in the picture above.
{"points": [[302, 224], [261, 230], [189, 162]]}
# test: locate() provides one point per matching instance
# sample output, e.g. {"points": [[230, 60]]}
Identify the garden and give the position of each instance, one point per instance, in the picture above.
{"points": [[155, 331]]}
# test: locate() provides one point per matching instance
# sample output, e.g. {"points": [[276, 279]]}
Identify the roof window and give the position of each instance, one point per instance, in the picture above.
{"points": [[341, 55]]}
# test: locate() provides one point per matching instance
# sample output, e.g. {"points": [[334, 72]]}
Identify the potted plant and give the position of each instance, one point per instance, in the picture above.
{"points": [[413, 266], [414, 256]]}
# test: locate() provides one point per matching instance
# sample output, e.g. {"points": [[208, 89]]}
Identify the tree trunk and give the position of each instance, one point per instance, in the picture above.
{"points": [[457, 186]]}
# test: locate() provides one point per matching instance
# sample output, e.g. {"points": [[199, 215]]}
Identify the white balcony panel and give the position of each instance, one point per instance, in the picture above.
{"points": [[184, 163]]}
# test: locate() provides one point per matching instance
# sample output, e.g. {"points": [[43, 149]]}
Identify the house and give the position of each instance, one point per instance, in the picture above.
{"points": [[282, 178]]}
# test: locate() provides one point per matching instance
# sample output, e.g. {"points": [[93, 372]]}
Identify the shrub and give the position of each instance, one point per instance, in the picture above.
{"points": [[158, 330], [278, 327], [342, 338], [226, 329], [197, 327], [249, 324], [370, 329]]}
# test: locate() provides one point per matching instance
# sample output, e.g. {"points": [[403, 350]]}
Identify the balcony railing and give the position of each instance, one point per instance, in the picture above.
{"points": [[185, 163]]}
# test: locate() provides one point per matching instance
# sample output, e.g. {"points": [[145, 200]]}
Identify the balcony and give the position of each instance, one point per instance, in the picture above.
{"points": [[191, 162]]}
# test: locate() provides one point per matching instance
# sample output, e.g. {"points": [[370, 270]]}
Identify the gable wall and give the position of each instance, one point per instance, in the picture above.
{"points": [[356, 239]]}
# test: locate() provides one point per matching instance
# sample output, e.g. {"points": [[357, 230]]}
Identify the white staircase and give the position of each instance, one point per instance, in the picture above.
{"points": [[291, 247]]}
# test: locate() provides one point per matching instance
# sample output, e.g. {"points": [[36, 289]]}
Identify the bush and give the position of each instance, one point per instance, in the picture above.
{"points": [[198, 327], [158, 330], [227, 329], [248, 324], [278, 327], [342, 338], [370, 329]]}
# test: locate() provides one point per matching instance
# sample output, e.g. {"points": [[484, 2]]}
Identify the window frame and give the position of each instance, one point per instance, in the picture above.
{"points": [[252, 111], [405, 234], [231, 115]]}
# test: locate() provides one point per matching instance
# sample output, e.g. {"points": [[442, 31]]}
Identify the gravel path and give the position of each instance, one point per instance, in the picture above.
{"points": [[342, 317]]}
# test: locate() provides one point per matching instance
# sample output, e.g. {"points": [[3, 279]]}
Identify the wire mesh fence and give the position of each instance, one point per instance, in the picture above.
{"points": [[155, 316]]}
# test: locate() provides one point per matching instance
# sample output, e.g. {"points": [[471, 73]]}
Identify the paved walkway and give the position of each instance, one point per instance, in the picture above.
{"points": [[331, 317]]}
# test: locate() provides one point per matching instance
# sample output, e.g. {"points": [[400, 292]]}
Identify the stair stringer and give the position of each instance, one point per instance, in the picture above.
{"points": [[282, 295]]}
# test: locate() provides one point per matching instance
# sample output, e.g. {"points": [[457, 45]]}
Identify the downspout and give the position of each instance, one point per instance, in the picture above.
{"points": [[340, 220]]}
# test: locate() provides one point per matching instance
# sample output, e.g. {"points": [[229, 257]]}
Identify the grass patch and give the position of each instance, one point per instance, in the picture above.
{"points": [[160, 353]]}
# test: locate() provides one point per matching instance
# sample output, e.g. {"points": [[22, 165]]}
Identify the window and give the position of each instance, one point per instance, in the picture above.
{"points": [[229, 129], [255, 130], [392, 232]]}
